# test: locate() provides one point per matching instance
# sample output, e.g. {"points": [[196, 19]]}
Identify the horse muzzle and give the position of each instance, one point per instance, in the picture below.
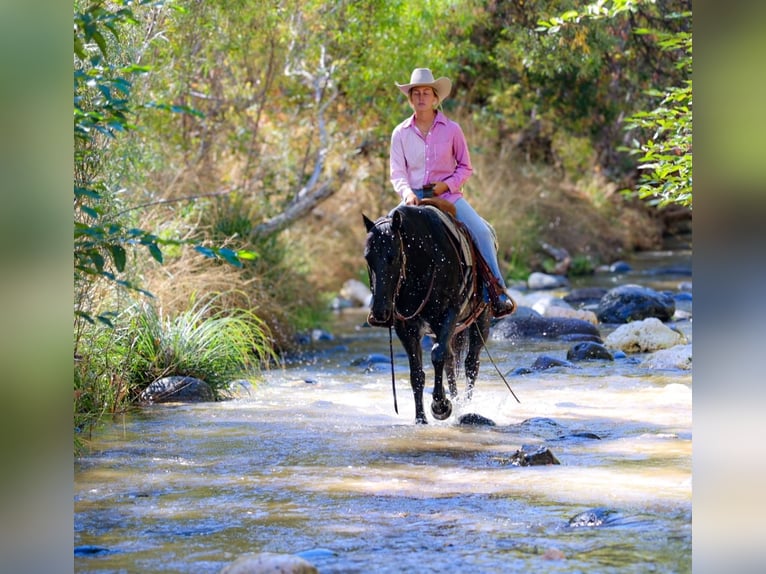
{"points": [[376, 321]]}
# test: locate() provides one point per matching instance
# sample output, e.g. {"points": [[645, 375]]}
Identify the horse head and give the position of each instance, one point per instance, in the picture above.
{"points": [[384, 257]]}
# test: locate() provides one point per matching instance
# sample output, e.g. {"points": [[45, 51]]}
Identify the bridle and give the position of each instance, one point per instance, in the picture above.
{"points": [[396, 315]]}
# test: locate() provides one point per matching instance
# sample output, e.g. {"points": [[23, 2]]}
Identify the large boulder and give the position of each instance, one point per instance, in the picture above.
{"points": [[528, 324], [644, 336], [177, 390], [632, 303]]}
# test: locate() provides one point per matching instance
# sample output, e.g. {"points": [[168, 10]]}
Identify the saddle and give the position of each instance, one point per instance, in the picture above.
{"points": [[475, 270]]}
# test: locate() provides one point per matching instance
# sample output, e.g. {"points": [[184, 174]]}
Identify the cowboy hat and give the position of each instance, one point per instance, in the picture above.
{"points": [[424, 77]]}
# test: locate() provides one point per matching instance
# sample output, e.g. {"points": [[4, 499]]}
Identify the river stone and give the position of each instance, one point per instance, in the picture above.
{"points": [[589, 351], [628, 303], [644, 336], [533, 456], [537, 280], [591, 518], [356, 292], [565, 313], [545, 362], [475, 419], [530, 325], [177, 390], [678, 357], [269, 563], [585, 296]]}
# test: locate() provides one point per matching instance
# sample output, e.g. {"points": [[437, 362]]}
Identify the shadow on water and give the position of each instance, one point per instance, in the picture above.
{"points": [[315, 462]]}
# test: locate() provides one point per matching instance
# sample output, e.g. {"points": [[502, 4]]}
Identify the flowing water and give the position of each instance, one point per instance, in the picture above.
{"points": [[316, 462]]}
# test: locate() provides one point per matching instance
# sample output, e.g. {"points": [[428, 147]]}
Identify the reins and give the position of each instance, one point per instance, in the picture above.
{"points": [[393, 378], [402, 276]]}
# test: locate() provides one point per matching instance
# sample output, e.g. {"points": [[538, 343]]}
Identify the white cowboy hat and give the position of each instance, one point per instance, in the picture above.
{"points": [[424, 77]]}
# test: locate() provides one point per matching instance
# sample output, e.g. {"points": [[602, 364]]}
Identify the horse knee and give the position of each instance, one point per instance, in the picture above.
{"points": [[438, 353]]}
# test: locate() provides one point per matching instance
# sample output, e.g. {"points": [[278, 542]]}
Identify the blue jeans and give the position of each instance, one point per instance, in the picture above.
{"points": [[480, 232], [482, 236]]}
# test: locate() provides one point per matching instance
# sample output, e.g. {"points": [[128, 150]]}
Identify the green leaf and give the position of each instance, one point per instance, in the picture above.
{"points": [[230, 257], [155, 251], [209, 253], [118, 256], [247, 255]]}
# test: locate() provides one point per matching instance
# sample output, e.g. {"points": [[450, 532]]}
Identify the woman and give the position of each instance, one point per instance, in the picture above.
{"points": [[429, 151]]}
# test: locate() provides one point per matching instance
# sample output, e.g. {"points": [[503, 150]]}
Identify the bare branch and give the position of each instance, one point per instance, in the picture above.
{"points": [[314, 191]]}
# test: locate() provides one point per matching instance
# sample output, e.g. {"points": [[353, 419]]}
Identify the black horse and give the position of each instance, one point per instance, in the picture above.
{"points": [[424, 280]]}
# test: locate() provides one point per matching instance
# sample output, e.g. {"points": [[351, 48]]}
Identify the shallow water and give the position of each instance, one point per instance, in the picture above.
{"points": [[316, 462]]}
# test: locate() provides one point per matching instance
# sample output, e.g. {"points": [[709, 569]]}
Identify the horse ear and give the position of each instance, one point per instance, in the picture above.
{"points": [[368, 223]]}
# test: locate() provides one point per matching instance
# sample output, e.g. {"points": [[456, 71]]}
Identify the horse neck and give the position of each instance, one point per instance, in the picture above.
{"points": [[422, 267]]}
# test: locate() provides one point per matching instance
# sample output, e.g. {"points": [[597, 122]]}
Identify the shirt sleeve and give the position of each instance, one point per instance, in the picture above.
{"points": [[398, 164], [463, 167]]}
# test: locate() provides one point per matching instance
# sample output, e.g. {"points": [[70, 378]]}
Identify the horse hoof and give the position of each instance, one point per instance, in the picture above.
{"points": [[441, 410]]}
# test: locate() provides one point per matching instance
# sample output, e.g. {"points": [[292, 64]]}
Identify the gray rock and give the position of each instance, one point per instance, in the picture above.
{"points": [[589, 351], [269, 563], [632, 303], [530, 325], [177, 389]]}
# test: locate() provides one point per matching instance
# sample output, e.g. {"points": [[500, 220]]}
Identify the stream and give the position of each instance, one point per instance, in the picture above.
{"points": [[314, 461]]}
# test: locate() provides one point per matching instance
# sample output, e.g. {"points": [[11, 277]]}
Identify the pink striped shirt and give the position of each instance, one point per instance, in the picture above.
{"points": [[442, 155]]}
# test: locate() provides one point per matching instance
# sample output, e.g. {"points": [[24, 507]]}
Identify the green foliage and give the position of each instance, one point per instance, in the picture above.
{"points": [[103, 108], [581, 265], [662, 134], [666, 155]]}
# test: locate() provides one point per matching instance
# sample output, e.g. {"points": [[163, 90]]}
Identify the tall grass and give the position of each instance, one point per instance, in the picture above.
{"points": [[205, 342], [214, 346]]}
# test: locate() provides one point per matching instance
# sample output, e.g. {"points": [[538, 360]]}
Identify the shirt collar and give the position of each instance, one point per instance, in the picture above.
{"points": [[439, 119]]}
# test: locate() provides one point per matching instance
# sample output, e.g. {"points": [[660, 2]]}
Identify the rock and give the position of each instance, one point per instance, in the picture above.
{"points": [[678, 357], [475, 419], [533, 456], [632, 303], [644, 336], [589, 351], [537, 280], [565, 313], [585, 296], [545, 362], [553, 554], [356, 292], [591, 518], [620, 267], [527, 324], [269, 563], [90, 550], [177, 389]]}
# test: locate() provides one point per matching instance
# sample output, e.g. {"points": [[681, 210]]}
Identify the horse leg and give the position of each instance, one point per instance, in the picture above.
{"points": [[478, 333], [410, 339], [441, 407], [451, 364]]}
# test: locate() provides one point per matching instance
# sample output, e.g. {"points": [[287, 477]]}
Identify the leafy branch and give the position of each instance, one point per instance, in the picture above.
{"points": [[102, 110]]}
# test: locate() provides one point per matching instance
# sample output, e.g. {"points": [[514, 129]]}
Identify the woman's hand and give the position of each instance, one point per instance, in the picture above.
{"points": [[440, 187], [411, 199]]}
